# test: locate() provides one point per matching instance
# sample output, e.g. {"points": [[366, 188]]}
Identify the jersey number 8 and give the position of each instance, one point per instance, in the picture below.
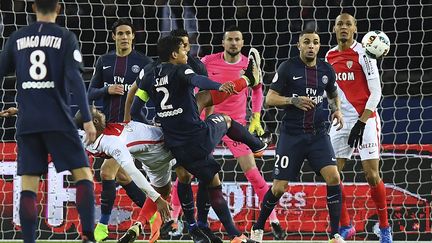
{"points": [[37, 70]]}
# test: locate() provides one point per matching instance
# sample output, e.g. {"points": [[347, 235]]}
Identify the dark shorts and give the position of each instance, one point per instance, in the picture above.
{"points": [[65, 148], [292, 150], [196, 156]]}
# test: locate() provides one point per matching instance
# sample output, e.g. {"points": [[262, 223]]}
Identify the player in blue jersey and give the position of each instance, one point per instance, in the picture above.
{"points": [[170, 84], [44, 124], [298, 87], [113, 76]]}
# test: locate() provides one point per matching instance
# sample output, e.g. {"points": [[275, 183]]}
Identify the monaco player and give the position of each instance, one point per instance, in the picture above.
{"points": [[360, 92], [222, 67], [125, 142]]}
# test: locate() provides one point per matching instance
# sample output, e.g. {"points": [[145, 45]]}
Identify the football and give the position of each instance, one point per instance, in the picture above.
{"points": [[376, 43]]}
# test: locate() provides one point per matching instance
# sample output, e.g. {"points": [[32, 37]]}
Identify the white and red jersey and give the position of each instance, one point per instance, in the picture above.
{"points": [[123, 141], [221, 71], [358, 80]]}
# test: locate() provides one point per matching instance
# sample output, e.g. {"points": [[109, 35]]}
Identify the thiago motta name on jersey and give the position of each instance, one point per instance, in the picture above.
{"points": [[36, 41]]}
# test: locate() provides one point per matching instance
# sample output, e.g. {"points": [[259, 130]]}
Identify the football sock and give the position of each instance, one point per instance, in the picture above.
{"points": [[108, 196], [344, 217], [202, 204], [175, 202], [239, 133], [147, 211], [135, 193], [334, 199], [185, 195], [218, 97], [267, 206], [378, 195], [85, 204], [220, 207], [260, 187], [28, 216]]}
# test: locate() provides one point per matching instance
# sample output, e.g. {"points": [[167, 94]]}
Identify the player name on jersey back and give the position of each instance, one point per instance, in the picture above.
{"points": [[34, 41]]}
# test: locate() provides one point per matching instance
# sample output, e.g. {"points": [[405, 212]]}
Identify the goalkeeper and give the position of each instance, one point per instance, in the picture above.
{"points": [[222, 67]]}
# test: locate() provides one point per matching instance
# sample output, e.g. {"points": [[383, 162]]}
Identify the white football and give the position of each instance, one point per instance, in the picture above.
{"points": [[376, 43]]}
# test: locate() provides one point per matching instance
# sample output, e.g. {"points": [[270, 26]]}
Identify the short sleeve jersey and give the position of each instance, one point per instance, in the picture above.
{"points": [[293, 79]]}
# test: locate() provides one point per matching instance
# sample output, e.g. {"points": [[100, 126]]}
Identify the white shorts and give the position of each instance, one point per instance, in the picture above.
{"points": [[157, 165], [370, 147]]}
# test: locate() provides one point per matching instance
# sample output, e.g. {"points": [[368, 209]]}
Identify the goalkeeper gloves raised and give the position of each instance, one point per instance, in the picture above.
{"points": [[356, 135], [255, 124]]}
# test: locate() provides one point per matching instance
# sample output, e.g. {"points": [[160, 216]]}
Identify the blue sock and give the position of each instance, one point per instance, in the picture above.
{"points": [[85, 204], [220, 207], [135, 193], [334, 201], [108, 196], [185, 195], [267, 206], [239, 133], [203, 205], [28, 216]]}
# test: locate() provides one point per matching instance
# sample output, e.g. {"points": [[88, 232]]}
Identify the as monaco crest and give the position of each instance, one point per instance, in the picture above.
{"points": [[349, 64]]}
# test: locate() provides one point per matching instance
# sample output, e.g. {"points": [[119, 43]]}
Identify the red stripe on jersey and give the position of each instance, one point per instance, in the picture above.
{"points": [[311, 82], [143, 142], [350, 76], [113, 129]]}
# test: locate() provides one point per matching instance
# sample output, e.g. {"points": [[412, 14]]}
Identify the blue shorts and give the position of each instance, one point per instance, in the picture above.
{"points": [[292, 150], [196, 156], [65, 148]]}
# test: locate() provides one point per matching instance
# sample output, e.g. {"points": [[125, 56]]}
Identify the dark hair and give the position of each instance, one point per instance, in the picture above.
{"points": [[232, 28], [179, 33], [166, 46], [122, 21], [308, 31], [46, 6]]}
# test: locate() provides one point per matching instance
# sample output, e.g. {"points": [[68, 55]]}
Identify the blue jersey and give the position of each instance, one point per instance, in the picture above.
{"points": [[294, 78], [112, 69], [48, 65], [196, 65], [170, 88]]}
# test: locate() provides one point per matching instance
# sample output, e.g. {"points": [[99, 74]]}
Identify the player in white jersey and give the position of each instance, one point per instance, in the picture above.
{"points": [[359, 89], [125, 142]]}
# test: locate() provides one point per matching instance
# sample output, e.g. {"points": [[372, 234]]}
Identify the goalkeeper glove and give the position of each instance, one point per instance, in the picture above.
{"points": [[255, 124], [356, 135]]}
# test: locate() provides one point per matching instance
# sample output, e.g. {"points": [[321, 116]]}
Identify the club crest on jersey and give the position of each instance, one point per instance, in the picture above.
{"points": [[324, 79], [349, 64], [135, 68]]}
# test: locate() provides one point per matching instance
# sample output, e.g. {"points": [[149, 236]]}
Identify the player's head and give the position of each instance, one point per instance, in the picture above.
{"points": [[183, 34], [46, 7], [171, 49], [232, 41], [309, 45], [345, 27], [97, 116], [123, 33]]}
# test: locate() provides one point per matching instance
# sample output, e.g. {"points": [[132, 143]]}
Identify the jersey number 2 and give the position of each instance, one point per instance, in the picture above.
{"points": [[163, 104], [37, 70]]}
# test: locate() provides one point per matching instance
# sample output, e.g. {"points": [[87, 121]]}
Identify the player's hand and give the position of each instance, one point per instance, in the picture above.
{"points": [[116, 89], [90, 131], [337, 119], [303, 103], [255, 124], [356, 135], [11, 111], [163, 208], [228, 87]]}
